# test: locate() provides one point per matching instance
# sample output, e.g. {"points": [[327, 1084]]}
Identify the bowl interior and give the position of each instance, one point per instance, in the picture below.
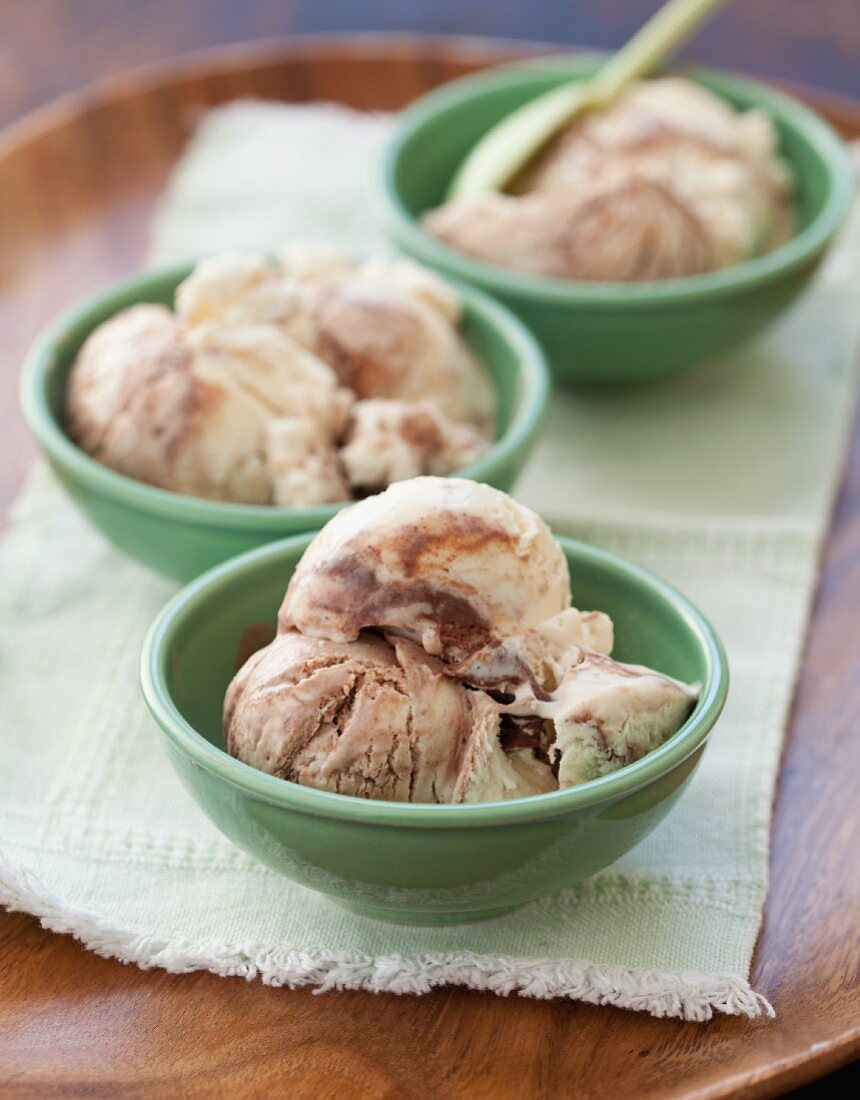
{"points": [[196, 654], [445, 125], [505, 349]]}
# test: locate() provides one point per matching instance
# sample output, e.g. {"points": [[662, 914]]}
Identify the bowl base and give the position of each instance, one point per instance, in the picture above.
{"points": [[425, 916]]}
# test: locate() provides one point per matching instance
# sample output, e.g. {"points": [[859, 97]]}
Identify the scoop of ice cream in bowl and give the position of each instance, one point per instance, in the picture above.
{"points": [[434, 710], [652, 233], [202, 411]]}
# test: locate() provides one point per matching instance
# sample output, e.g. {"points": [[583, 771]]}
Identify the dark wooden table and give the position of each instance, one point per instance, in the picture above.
{"points": [[48, 47], [77, 185]]}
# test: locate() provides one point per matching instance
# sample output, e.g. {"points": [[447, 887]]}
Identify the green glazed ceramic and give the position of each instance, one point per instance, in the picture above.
{"points": [[617, 332], [422, 863], [182, 536]]}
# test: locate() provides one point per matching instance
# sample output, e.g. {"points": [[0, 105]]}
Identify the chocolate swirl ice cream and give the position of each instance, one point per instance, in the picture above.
{"points": [[307, 380], [374, 718], [668, 181], [427, 652], [448, 563]]}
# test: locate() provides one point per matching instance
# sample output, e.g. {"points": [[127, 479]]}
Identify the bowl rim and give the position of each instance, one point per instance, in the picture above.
{"points": [[796, 252], [292, 796], [40, 363]]}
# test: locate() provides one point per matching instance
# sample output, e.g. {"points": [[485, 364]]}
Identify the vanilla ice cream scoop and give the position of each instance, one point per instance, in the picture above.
{"points": [[141, 401], [610, 230], [388, 440], [372, 719], [449, 563], [232, 288], [387, 328], [606, 715], [303, 464], [275, 372], [387, 336], [309, 261], [721, 166], [565, 695], [189, 411]]}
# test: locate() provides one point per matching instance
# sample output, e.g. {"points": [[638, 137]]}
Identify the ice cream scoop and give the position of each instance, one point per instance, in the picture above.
{"points": [[273, 371], [721, 166], [448, 563], [531, 665], [190, 411], [239, 395], [303, 464], [387, 328], [567, 697], [388, 337], [307, 261], [137, 401], [372, 719], [427, 651], [234, 287], [606, 714], [631, 228], [388, 440], [668, 181]]}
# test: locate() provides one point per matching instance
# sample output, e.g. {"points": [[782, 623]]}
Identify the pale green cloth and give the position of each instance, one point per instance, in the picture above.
{"points": [[720, 480]]}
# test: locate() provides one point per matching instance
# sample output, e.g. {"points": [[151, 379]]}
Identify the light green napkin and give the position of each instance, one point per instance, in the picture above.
{"points": [[721, 481]]}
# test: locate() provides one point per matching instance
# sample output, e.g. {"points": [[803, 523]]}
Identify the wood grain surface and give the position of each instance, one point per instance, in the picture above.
{"points": [[78, 181]]}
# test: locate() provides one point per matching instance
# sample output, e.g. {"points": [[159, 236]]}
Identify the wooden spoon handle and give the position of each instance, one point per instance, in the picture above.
{"points": [[511, 143], [664, 32]]}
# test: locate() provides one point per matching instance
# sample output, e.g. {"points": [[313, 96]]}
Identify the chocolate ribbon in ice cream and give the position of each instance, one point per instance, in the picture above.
{"points": [[427, 652], [587, 713], [371, 718], [448, 563], [309, 381]]}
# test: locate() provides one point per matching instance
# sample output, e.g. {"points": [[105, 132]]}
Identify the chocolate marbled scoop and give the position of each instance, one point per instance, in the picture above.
{"points": [[449, 564], [371, 718]]}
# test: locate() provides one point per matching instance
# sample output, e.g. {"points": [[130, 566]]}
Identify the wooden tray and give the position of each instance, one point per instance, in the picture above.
{"points": [[78, 182]]}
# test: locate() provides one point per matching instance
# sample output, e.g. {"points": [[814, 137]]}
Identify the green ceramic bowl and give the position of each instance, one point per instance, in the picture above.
{"points": [[617, 332], [182, 536], [422, 863]]}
